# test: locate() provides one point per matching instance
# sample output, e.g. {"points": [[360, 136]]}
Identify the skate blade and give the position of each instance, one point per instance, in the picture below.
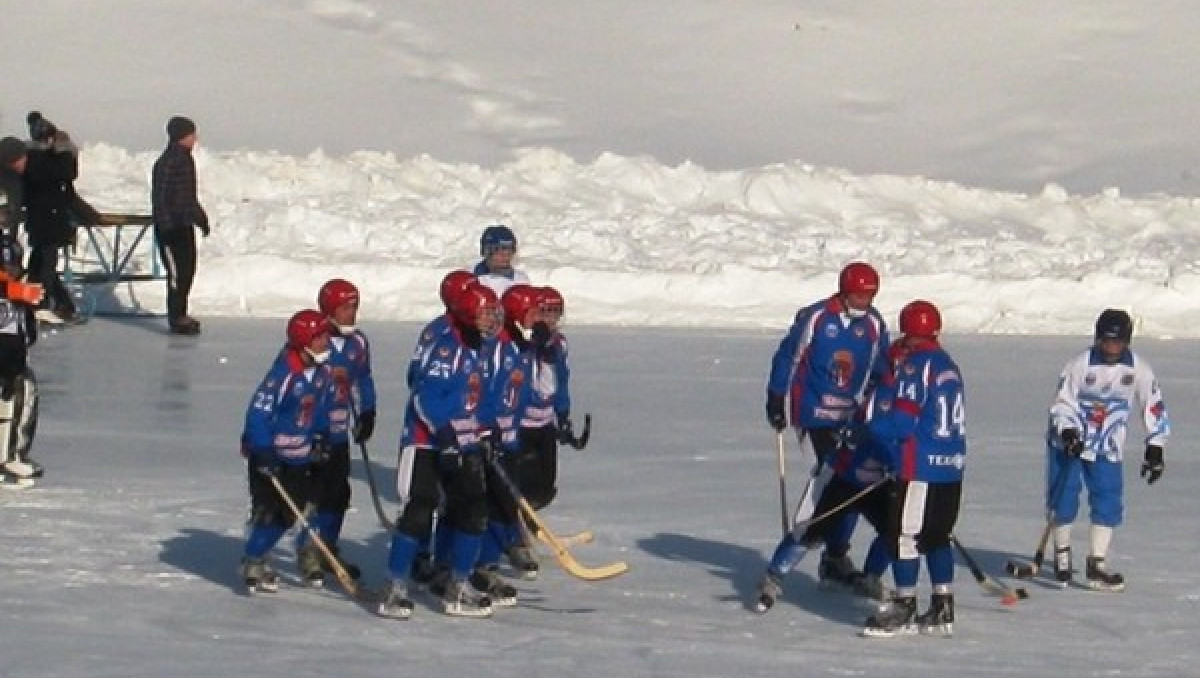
{"points": [[457, 610], [872, 632], [940, 630], [1105, 588], [401, 613]]}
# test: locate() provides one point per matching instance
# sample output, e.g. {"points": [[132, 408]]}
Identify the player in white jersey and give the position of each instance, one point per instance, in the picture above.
{"points": [[498, 247], [1100, 392]]}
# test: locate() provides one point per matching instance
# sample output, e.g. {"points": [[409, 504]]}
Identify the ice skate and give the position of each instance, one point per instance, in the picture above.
{"points": [[1100, 579], [395, 603], [1062, 566], [308, 561], [25, 468], [938, 620], [461, 600], [768, 591], [487, 580], [895, 619], [837, 571], [524, 561], [870, 586], [9, 481], [259, 576]]}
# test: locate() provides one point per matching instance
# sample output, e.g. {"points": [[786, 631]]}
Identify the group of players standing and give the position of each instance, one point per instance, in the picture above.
{"points": [[887, 424], [489, 402]]}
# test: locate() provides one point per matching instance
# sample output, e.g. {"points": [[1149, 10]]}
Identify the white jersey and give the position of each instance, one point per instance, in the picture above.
{"points": [[500, 283], [1099, 399]]}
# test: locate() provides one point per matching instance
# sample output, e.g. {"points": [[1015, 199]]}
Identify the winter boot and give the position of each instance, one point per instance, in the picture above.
{"points": [[395, 603], [768, 591], [259, 576], [938, 620], [896, 619], [1062, 565], [308, 560], [487, 580], [351, 569], [461, 600], [1100, 579], [837, 570], [523, 560]]}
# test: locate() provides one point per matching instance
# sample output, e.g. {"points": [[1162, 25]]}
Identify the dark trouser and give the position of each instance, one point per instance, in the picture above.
{"points": [[875, 506], [331, 480], [266, 506], [537, 465], [43, 269], [429, 476], [177, 247], [922, 516]]}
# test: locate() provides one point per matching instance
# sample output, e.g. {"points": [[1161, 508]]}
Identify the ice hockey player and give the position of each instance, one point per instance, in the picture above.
{"points": [[453, 284], [286, 434], [498, 247], [833, 351], [1099, 391], [927, 426], [353, 405], [18, 384], [442, 453]]}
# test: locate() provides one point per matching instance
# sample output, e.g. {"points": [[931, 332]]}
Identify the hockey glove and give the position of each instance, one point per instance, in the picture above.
{"points": [[449, 456], [1071, 442], [205, 229], [320, 452], [565, 432], [775, 416], [1152, 466], [364, 426], [264, 461]]}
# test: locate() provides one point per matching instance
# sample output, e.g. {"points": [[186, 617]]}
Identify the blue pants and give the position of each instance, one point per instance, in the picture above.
{"points": [[1105, 485]]}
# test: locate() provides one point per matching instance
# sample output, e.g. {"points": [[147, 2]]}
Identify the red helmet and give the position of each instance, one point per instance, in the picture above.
{"points": [[920, 319], [551, 300], [305, 326], [518, 300], [454, 284], [858, 278], [473, 302], [335, 293]]}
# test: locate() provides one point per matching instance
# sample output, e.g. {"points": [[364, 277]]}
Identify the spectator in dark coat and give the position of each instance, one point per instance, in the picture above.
{"points": [[177, 212], [49, 196], [14, 156]]}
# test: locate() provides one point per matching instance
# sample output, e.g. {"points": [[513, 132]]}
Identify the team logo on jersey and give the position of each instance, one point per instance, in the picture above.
{"points": [[443, 352], [474, 386], [842, 369]]}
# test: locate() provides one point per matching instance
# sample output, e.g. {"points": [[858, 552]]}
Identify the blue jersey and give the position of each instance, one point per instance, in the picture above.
{"points": [[550, 392], [452, 382], [927, 420], [437, 327], [350, 363], [826, 362], [291, 405], [509, 392]]}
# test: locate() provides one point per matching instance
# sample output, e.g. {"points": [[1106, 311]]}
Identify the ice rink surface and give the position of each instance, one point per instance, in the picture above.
{"points": [[122, 561]]}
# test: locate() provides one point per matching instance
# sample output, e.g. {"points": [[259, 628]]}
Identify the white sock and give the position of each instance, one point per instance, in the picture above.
{"points": [[1062, 536], [1101, 537]]}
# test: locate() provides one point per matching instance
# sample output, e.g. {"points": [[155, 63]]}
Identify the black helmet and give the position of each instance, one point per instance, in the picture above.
{"points": [[497, 235], [1114, 324]]}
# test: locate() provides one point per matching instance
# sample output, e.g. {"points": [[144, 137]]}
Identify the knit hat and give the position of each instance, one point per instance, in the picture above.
{"points": [[179, 127], [11, 148], [40, 129]]}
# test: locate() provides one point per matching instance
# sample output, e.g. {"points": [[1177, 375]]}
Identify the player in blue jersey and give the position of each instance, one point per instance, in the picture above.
{"points": [[442, 456], [350, 364], [498, 247], [926, 428], [833, 351], [285, 435], [453, 284], [1099, 392]]}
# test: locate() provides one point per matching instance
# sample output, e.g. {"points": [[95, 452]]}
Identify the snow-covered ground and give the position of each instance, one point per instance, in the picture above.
{"points": [[122, 563], [678, 163]]}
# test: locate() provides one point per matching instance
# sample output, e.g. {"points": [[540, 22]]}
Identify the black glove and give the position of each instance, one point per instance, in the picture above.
{"points": [[264, 461], [1071, 442], [565, 432], [320, 452], [364, 426], [205, 229], [1152, 466], [449, 456], [775, 416]]}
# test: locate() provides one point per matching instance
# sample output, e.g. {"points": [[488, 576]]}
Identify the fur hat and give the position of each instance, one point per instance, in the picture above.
{"points": [[179, 127], [40, 129], [11, 148]]}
